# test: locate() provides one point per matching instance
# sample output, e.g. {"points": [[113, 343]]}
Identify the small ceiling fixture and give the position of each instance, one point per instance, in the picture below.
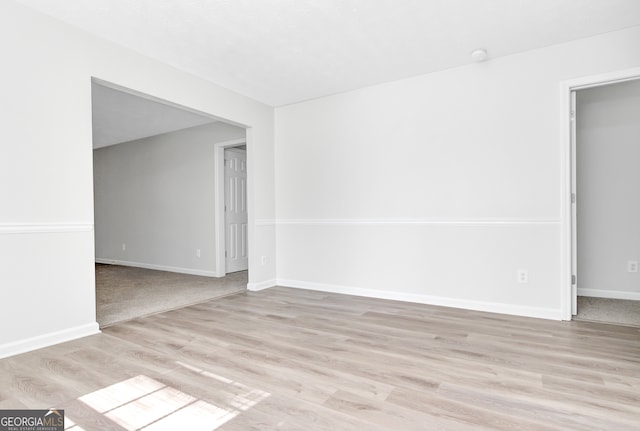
{"points": [[479, 55]]}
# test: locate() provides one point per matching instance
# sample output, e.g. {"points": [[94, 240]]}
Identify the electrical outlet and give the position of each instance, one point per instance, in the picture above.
{"points": [[523, 276], [124, 247], [197, 252], [632, 266]]}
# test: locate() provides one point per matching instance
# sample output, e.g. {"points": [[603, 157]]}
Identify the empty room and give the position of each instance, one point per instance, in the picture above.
{"points": [[320, 215]]}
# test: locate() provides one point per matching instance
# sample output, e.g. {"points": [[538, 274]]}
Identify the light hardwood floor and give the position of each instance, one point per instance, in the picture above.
{"points": [[300, 360]]}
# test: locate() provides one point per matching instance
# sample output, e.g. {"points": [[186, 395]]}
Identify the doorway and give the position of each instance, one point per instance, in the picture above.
{"points": [[231, 221], [605, 238], [235, 214], [154, 208]]}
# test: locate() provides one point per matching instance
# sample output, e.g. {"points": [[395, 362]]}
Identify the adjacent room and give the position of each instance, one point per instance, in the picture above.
{"points": [[155, 206], [320, 215]]}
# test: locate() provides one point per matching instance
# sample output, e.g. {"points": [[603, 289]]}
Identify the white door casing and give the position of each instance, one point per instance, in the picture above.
{"points": [[236, 217], [568, 297], [574, 214]]}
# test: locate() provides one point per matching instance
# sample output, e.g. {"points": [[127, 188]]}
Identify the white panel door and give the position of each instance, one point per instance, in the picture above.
{"points": [[235, 202]]}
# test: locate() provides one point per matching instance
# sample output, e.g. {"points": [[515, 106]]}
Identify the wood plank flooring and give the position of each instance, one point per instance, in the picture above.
{"points": [[291, 359]]}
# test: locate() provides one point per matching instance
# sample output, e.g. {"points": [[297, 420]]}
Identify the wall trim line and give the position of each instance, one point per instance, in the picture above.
{"points": [[491, 307], [261, 285], [611, 294], [265, 222], [413, 222], [46, 340], [29, 228], [177, 269]]}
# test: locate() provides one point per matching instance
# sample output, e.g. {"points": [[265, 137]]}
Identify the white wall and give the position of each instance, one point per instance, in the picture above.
{"points": [[437, 188], [46, 186], [156, 195], [608, 179]]}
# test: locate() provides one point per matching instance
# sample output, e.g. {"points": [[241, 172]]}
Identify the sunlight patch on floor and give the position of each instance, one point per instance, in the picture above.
{"points": [[142, 403], [71, 425]]}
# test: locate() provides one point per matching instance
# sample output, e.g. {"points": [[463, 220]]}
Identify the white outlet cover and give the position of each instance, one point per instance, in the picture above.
{"points": [[523, 276]]}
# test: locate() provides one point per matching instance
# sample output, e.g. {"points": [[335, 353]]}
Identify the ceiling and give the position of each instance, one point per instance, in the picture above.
{"points": [[122, 117], [285, 51]]}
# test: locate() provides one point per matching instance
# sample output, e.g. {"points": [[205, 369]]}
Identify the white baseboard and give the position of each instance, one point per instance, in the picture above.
{"points": [[46, 340], [179, 270], [517, 310], [256, 287], [612, 294]]}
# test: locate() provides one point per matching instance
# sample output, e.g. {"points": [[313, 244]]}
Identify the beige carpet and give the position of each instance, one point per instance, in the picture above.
{"points": [[124, 293], [616, 311]]}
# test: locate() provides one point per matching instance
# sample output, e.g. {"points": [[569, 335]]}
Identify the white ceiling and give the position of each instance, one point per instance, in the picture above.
{"points": [[285, 51], [121, 117]]}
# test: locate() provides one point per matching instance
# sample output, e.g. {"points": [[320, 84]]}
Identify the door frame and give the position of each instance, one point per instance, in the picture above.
{"points": [[568, 293], [219, 193]]}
